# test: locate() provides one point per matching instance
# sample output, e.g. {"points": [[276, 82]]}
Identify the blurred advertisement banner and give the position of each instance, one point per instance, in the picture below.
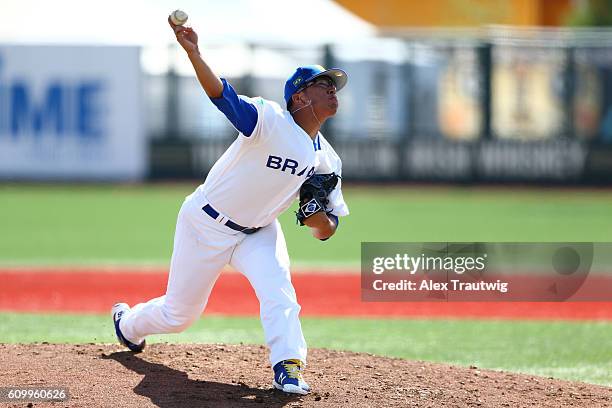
{"points": [[71, 112], [478, 271], [528, 92]]}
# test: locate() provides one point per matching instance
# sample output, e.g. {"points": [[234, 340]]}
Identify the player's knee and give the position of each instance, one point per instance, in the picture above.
{"points": [[285, 305], [179, 322], [296, 308]]}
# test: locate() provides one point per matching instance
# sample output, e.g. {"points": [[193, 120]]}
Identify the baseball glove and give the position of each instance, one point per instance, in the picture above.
{"points": [[314, 195]]}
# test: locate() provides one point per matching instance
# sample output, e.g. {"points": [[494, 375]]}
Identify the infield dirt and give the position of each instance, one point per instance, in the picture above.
{"points": [[168, 375]]}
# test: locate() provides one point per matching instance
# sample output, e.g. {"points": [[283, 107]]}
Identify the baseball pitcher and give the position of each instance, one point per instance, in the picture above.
{"points": [[279, 155]]}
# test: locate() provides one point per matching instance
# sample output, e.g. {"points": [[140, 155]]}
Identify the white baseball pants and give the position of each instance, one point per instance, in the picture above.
{"points": [[202, 247]]}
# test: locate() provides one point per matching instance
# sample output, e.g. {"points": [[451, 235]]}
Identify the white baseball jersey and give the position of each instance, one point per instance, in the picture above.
{"points": [[254, 181], [259, 176]]}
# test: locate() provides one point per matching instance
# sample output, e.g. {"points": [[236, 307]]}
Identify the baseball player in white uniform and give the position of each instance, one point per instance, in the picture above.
{"points": [[232, 217]]}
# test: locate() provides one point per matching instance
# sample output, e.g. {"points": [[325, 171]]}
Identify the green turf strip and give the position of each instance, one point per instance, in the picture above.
{"points": [[59, 224], [570, 350]]}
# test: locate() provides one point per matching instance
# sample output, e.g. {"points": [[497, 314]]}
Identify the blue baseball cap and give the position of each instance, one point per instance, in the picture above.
{"points": [[307, 73]]}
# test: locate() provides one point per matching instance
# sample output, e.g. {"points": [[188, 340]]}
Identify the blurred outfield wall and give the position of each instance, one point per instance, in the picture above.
{"points": [[495, 105]]}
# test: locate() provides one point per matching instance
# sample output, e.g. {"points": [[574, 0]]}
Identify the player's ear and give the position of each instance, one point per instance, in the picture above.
{"points": [[297, 98], [305, 99]]}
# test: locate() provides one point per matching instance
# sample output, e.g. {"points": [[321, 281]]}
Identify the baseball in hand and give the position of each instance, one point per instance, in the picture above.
{"points": [[178, 17]]}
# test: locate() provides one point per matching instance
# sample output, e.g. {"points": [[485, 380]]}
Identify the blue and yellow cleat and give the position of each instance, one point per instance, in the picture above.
{"points": [[288, 377], [117, 311]]}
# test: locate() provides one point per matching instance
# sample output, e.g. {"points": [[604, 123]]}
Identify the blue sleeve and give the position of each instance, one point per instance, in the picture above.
{"points": [[241, 113]]}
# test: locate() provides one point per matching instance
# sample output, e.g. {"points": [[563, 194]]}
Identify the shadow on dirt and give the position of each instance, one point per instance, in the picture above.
{"points": [[170, 388]]}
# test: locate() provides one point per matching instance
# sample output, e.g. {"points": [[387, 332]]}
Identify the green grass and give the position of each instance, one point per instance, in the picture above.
{"points": [[51, 224], [569, 350]]}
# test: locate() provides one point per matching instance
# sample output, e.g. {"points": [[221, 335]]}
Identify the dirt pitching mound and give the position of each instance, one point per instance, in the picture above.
{"points": [[169, 375]]}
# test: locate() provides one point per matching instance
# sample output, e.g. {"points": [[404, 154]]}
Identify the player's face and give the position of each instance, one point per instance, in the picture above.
{"points": [[322, 93]]}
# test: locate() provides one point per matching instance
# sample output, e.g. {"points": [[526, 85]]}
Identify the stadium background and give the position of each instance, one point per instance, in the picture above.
{"points": [[455, 130]]}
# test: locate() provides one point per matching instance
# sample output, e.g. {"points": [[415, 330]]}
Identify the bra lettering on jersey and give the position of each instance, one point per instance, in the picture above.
{"points": [[277, 163]]}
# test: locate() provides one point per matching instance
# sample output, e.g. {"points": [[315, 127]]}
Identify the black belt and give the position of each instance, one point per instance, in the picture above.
{"points": [[229, 223]]}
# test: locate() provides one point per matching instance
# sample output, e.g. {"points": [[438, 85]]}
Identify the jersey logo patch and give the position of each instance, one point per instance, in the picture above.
{"points": [[310, 208]]}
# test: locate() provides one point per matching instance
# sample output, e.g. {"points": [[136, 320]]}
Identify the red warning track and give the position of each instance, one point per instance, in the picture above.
{"points": [[95, 290]]}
